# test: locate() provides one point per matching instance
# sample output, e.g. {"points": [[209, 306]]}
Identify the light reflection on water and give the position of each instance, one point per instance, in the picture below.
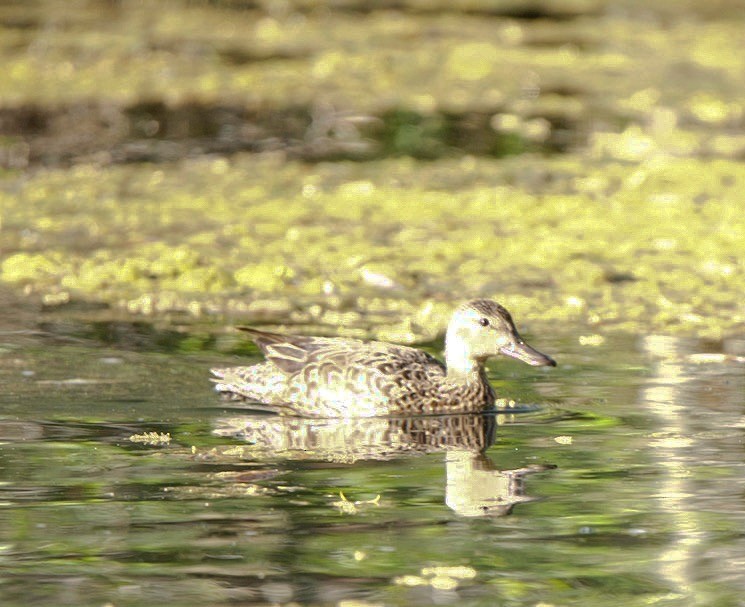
{"points": [[623, 486], [682, 447]]}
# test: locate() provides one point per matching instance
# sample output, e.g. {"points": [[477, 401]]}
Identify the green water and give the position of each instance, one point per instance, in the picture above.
{"points": [[617, 480]]}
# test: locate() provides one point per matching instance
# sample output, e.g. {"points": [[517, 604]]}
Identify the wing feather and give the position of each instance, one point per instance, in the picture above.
{"points": [[338, 366]]}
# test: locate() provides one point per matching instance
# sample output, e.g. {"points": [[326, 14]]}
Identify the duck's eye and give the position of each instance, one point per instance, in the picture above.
{"points": [[484, 322]]}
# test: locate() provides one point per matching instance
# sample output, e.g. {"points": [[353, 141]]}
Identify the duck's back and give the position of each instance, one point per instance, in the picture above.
{"points": [[337, 377]]}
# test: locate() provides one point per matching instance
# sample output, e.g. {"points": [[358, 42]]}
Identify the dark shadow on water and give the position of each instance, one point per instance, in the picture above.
{"points": [[154, 131]]}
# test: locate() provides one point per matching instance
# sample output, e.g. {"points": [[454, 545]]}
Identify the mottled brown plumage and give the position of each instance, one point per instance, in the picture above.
{"points": [[339, 377]]}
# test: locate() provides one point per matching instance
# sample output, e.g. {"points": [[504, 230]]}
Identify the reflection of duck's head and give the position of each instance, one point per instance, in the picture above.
{"points": [[481, 329], [475, 488]]}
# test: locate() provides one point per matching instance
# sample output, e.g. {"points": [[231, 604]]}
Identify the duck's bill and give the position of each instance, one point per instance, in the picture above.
{"points": [[522, 351]]}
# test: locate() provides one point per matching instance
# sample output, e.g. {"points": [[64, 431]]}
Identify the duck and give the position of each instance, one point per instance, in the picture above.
{"points": [[338, 377]]}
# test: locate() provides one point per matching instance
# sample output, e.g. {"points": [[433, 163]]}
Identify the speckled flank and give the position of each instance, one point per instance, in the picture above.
{"points": [[337, 377]]}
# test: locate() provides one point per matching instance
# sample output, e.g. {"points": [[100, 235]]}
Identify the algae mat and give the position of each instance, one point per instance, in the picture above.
{"points": [[362, 169], [649, 246]]}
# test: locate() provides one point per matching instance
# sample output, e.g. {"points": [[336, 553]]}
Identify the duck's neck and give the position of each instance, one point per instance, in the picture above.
{"points": [[461, 366]]}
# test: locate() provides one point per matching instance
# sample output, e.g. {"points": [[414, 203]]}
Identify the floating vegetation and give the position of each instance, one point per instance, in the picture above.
{"points": [[439, 578], [153, 439], [348, 507], [358, 166]]}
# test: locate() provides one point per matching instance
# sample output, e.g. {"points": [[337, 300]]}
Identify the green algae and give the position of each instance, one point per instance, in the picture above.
{"points": [[651, 246], [637, 226]]}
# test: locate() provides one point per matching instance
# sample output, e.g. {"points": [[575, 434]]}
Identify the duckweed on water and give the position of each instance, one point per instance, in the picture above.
{"points": [[638, 226], [151, 438], [652, 245]]}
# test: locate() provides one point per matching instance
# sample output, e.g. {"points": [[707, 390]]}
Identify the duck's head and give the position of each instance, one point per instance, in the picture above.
{"points": [[481, 329]]}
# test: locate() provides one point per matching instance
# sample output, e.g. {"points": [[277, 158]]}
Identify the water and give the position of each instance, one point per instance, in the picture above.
{"points": [[617, 480]]}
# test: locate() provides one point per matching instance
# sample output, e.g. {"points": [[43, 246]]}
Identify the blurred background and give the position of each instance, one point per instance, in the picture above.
{"points": [[366, 165]]}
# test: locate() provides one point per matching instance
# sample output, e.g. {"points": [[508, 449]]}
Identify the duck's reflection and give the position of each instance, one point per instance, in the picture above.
{"points": [[474, 486]]}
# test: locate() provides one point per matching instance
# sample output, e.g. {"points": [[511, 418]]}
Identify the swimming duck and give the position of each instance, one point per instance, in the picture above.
{"points": [[341, 377]]}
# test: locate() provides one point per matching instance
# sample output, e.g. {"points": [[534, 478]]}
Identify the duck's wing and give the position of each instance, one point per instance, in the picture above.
{"points": [[293, 353], [289, 353]]}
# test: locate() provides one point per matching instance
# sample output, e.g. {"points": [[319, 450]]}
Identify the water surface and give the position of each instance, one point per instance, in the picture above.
{"points": [[617, 478]]}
